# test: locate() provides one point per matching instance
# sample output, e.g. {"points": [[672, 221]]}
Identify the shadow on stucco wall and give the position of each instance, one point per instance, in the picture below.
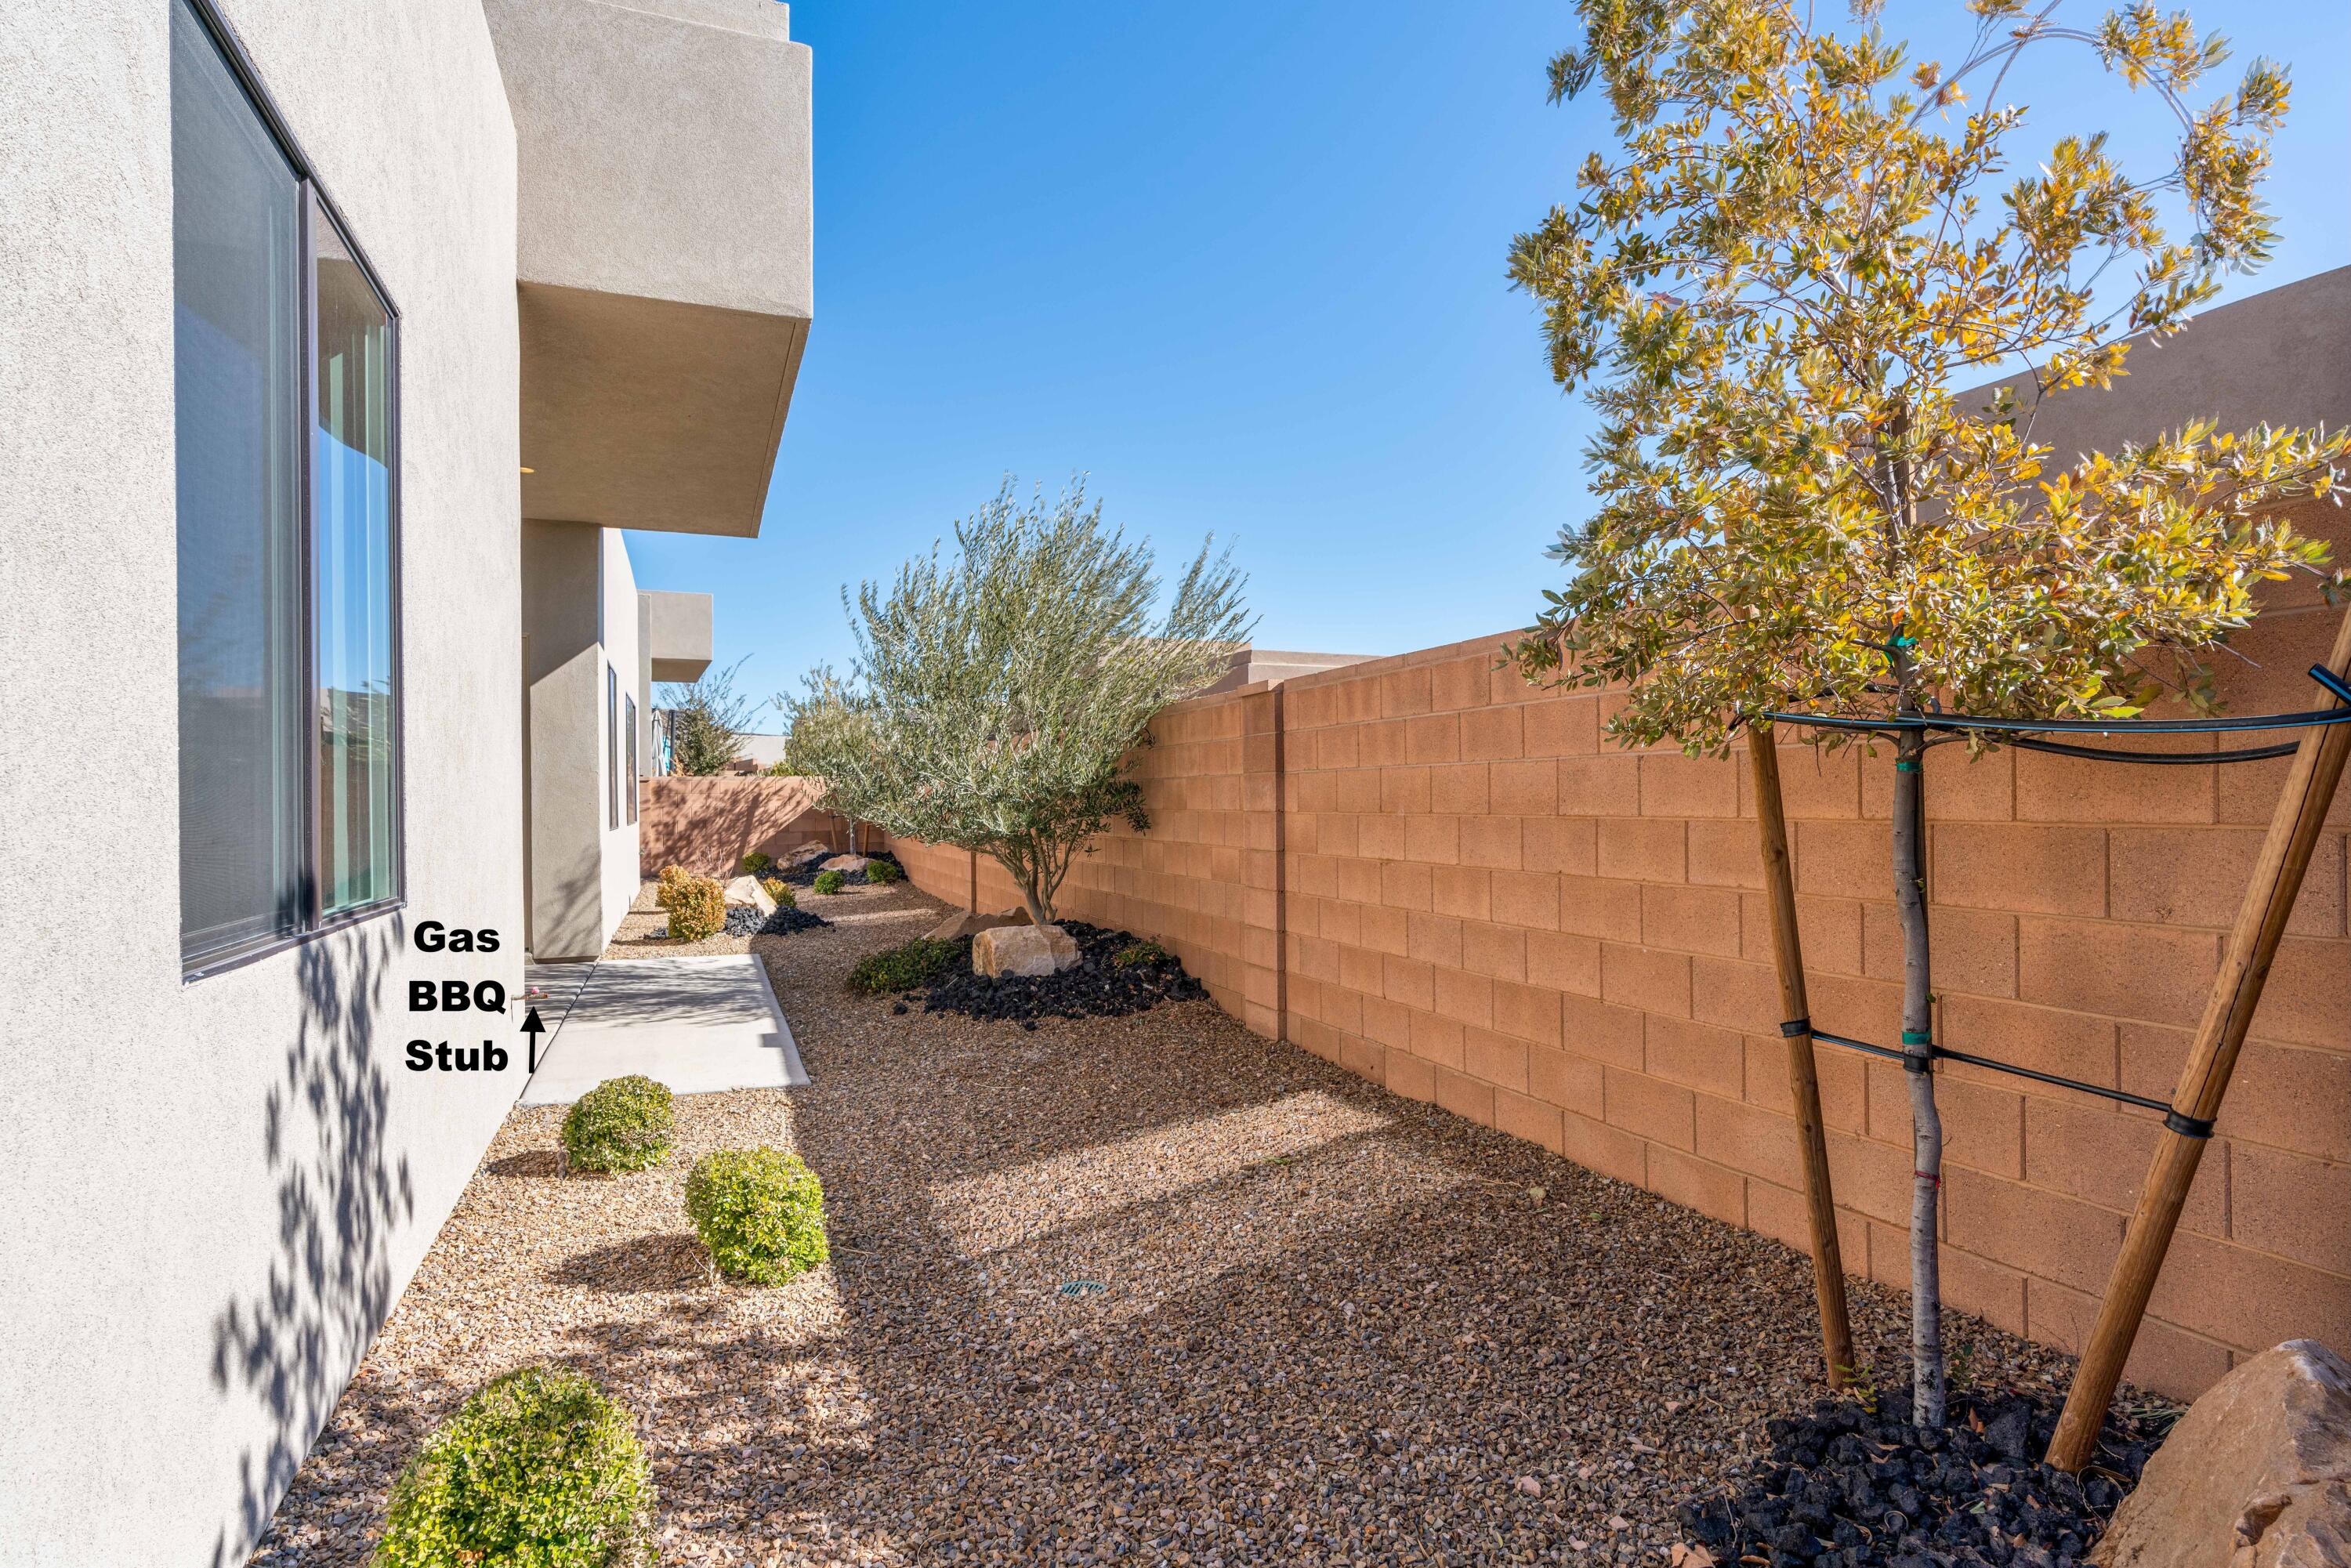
{"points": [[340, 1193]]}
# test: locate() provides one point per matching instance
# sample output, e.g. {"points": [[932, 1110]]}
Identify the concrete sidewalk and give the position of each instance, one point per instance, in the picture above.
{"points": [[698, 1024]]}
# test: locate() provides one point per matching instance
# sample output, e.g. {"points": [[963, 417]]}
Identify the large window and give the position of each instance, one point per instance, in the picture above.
{"points": [[289, 724]]}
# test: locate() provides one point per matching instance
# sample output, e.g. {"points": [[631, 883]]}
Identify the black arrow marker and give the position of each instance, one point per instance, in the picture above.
{"points": [[533, 1027]]}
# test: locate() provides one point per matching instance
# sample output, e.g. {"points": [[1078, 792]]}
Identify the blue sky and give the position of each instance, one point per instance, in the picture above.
{"points": [[1243, 265]]}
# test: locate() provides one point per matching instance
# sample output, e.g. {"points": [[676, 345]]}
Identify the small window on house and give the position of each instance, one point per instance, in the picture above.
{"points": [[288, 532], [629, 716], [612, 746]]}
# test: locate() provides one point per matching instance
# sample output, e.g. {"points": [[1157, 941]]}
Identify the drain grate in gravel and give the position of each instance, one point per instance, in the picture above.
{"points": [[1847, 1486]]}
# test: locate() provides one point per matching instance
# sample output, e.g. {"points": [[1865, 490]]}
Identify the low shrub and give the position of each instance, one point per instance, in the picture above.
{"points": [[903, 967], [830, 881], [538, 1467], [883, 873], [697, 909], [672, 877], [757, 862], [781, 892], [621, 1125], [759, 1211], [1136, 953]]}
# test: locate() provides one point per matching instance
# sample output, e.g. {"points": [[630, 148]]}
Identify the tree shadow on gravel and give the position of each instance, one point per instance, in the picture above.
{"points": [[643, 1263], [1355, 1348], [341, 1195], [531, 1162]]}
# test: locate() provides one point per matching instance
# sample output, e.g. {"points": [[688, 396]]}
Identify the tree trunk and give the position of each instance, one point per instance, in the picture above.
{"points": [[1926, 1123], [1028, 876]]}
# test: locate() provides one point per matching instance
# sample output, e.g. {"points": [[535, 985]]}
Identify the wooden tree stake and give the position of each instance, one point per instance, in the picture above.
{"points": [[2252, 943], [1804, 1077]]}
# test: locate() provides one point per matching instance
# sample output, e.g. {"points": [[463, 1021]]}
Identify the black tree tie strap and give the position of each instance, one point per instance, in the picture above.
{"points": [[2178, 1121]]}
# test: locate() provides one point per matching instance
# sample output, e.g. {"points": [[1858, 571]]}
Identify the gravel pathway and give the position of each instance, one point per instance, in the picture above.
{"points": [[1146, 1290]]}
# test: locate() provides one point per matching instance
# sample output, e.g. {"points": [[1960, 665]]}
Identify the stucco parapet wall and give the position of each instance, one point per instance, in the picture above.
{"points": [[2282, 356], [678, 633], [662, 149], [665, 254]]}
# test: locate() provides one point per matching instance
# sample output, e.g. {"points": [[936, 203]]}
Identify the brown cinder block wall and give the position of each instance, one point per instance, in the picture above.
{"points": [[707, 823], [1454, 886]]}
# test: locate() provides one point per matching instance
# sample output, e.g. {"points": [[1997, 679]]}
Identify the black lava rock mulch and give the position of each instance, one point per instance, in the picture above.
{"points": [[1095, 988], [1845, 1487], [805, 875], [743, 920]]}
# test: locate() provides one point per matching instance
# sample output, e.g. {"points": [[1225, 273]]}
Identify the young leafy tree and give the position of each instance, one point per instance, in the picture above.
{"points": [[707, 722], [994, 696], [1802, 245]]}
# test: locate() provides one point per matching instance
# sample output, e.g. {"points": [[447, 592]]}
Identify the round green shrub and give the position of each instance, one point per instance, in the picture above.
{"points": [[757, 862], [759, 1211], [883, 873], [621, 1125], [697, 909], [830, 881], [781, 892], [903, 967], [539, 1467]]}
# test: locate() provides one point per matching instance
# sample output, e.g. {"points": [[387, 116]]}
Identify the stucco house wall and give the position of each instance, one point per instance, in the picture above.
{"points": [[625, 668], [215, 1190]]}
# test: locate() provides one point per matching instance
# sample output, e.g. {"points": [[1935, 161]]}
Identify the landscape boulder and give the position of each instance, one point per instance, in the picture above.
{"points": [[802, 854], [1023, 950], [745, 892], [965, 923], [845, 863], [2256, 1475]]}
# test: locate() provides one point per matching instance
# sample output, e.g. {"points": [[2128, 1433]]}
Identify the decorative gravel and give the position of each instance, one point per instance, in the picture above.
{"points": [[1847, 1485], [1139, 1290], [1097, 987], [742, 921], [805, 873]]}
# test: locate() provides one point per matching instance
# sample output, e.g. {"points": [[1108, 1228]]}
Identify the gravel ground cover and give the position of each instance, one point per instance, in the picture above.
{"points": [[644, 930], [1146, 1288], [742, 921], [1098, 987], [1847, 1484], [805, 874]]}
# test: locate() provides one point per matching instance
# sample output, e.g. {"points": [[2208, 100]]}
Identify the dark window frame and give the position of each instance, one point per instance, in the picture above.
{"points": [[629, 716], [612, 748], [318, 203]]}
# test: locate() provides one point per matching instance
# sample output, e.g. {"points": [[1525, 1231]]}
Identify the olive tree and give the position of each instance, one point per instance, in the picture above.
{"points": [[995, 695], [1803, 242], [707, 722]]}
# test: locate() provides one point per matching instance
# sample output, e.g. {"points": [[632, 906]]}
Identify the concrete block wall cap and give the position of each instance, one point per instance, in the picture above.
{"points": [[1023, 950], [2256, 1475], [745, 892]]}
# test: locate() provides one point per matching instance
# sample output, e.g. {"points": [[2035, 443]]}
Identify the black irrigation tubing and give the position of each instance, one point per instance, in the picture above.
{"points": [[2189, 1125], [2021, 729]]}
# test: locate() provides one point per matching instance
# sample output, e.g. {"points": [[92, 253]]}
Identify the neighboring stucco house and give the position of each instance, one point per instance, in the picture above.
{"points": [[339, 340]]}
